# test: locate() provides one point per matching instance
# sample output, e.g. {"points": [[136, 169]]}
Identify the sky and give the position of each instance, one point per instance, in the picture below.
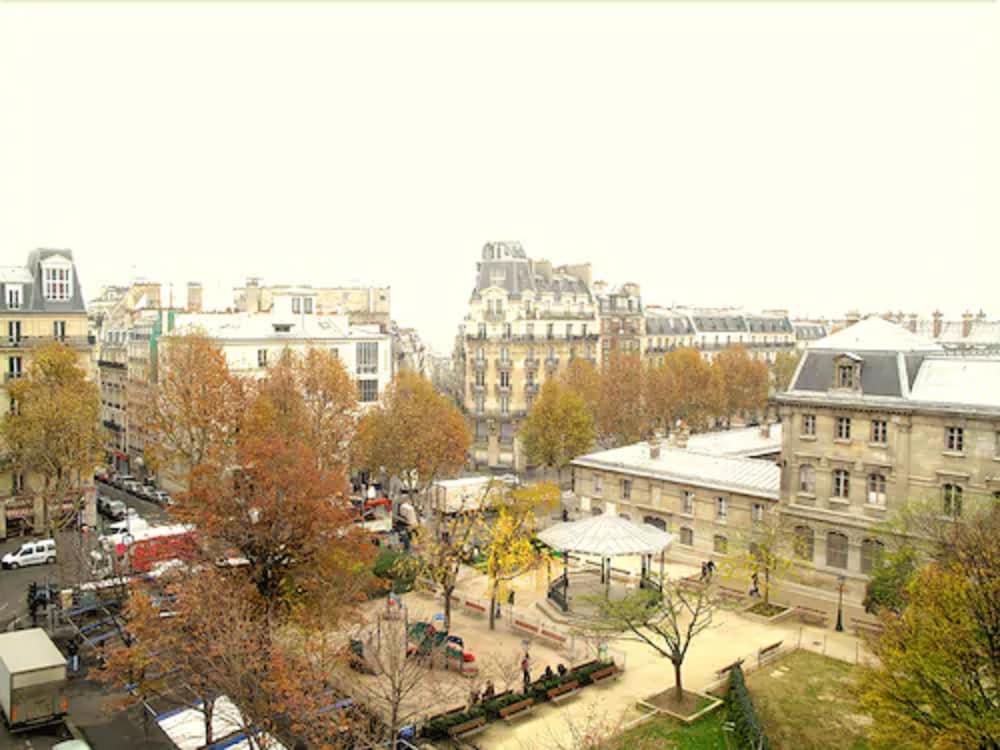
{"points": [[817, 157]]}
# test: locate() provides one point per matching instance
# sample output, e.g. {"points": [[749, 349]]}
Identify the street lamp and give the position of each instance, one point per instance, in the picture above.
{"points": [[840, 604]]}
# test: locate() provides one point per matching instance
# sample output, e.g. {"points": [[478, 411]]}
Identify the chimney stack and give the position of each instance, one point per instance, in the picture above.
{"points": [[194, 297], [253, 295], [681, 438], [912, 325], [966, 324], [853, 317], [654, 446], [937, 324], [765, 429]]}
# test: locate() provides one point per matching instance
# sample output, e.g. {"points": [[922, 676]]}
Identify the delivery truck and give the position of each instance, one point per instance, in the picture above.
{"points": [[32, 680]]}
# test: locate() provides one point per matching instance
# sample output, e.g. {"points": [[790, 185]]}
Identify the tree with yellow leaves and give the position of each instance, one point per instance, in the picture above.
{"points": [[558, 429], [52, 431], [510, 552]]}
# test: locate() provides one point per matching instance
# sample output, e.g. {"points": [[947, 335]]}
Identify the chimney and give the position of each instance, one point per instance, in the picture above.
{"points": [[981, 315], [253, 295], [654, 446], [853, 317], [765, 429], [194, 298], [937, 324], [966, 324], [912, 325], [681, 438]]}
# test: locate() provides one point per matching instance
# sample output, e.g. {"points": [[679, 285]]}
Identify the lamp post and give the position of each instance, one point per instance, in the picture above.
{"points": [[840, 604]]}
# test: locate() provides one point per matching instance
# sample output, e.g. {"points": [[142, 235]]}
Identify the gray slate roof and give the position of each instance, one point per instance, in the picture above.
{"points": [[29, 277]]}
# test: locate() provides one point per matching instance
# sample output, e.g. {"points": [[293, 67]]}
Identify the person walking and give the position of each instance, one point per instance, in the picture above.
{"points": [[74, 656], [754, 585], [704, 571], [526, 671]]}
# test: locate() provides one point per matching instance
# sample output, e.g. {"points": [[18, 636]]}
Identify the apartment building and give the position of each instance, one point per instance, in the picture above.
{"points": [[525, 322], [621, 313], [40, 302], [764, 335], [878, 417], [362, 304]]}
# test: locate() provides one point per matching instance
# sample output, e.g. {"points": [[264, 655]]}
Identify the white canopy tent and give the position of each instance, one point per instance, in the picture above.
{"points": [[606, 536]]}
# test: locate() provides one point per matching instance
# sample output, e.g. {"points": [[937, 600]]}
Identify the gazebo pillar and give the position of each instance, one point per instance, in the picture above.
{"points": [[607, 582]]}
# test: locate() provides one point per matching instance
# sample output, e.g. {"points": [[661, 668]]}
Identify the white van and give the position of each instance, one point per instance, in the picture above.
{"points": [[31, 553]]}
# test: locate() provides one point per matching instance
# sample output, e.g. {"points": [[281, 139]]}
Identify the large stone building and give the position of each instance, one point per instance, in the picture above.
{"points": [[40, 302], [621, 312], [878, 417], [710, 331], [526, 321], [362, 304]]}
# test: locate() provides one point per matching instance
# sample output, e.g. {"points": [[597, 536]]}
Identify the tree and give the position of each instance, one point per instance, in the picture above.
{"points": [[668, 622], [660, 393], [621, 412], [584, 379], [937, 679], [783, 369], [743, 380], [889, 580], [52, 431], [193, 413], [415, 434], [698, 390], [558, 429], [766, 550], [509, 552]]}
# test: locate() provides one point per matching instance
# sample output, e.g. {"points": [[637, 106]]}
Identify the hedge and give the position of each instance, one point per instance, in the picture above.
{"points": [[740, 710]]}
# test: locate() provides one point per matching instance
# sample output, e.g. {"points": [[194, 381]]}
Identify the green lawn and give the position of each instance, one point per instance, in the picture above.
{"points": [[804, 701]]}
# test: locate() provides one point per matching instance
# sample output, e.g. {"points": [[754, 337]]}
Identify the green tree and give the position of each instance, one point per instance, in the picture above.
{"points": [[558, 429], [52, 431], [890, 578], [783, 369], [766, 550]]}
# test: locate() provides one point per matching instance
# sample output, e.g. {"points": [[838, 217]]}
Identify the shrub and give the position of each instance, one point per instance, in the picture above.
{"points": [[740, 710], [388, 567]]}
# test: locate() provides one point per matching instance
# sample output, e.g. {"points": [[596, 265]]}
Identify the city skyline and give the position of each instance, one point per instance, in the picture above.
{"points": [[642, 149]]}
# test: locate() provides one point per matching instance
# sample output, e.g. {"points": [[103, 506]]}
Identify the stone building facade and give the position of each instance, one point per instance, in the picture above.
{"points": [[764, 335], [621, 314], [525, 322]]}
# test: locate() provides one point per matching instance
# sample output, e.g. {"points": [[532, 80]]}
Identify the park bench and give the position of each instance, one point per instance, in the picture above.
{"points": [[861, 627], [610, 672], [516, 710], [468, 728], [526, 626], [812, 616], [768, 653], [558, 639], [563, 692], [721, 673], [475, 607], [445, 714]]}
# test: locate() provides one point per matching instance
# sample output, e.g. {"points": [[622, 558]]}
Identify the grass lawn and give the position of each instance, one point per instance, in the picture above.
{"points": [[662, 734], [805, 703]]}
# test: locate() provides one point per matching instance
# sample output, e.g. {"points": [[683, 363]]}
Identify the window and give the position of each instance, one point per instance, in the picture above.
{"points": [[687, 536], [804, 542], [59, 329], [569, 330], [57, 284], [296, 305], [505, 354], [307, 305], [757, 512], [480, 378], [17, 483], [845, 376], [13, 297], [550, 331], [841, 483], [529, 329], [14, 332], [656, 522], [367, 354], [952, 494], [598, 484], [656, 495], [721, 508], [687, 503], [504, 405], [954, 439], [482, 431], [807, 479], [480, 354], [480, 403], [14, 367], [262, 358], [14, 409], [880, 431], [505, 379], [720, 544], [335, 352], [481, 332], [836, 550], [996, 443], [871, 554], [367, 391], [808, 424], [843, 428], [626, 489], [507, 330], [876, 489]]}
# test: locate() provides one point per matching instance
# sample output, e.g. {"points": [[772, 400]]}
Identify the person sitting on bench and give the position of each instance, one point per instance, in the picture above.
{"points": [[561, 669], [548, 674]]}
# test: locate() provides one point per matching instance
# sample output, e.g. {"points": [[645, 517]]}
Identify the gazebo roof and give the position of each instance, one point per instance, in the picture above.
{"points": [[606, 535]]}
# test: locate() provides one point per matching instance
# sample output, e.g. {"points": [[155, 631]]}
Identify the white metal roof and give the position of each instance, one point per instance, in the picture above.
{"points": [[728, 473], [26, 650], [259, 326], [745, 442], [186, 727], [606, 535], [958, 380], [876, 335]]}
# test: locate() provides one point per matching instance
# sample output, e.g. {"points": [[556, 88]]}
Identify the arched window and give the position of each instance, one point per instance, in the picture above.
{"points": [[952, 494], [876, 489], [807, 479], [657, 522], [836, 550], [687, 536], [871, 554], [720, 544], [804, 543]]}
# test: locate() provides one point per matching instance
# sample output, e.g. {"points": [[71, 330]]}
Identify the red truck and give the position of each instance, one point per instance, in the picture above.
{"points": [[157, 544]]}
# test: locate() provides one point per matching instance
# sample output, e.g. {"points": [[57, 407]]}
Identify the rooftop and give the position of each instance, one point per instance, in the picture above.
{"points": [[25, 650], [876, 335], [748, 442], [258, 326]]}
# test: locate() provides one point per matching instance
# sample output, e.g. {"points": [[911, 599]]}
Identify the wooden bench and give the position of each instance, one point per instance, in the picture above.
{"points": [[527, 626], [721, 673], [475, 607], [861, 627], [553, 636], [812, 616], [767, 653], [608, 673], [563, 692], [445, 714], [468, 728], [515, 710]]}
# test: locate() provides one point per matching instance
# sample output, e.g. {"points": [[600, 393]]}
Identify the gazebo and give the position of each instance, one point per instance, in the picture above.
{"points": [[606, 536]]}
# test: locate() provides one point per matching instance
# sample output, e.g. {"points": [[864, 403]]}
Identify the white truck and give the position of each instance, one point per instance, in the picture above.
{"points": [[32, 680], [450, 496]]}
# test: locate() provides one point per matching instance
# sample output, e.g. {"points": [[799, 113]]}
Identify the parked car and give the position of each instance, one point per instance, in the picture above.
{"points": [[132, 486], [116, 510], [162, 498], [102, 504], [121, 479], [40, 552], [147, 491]]}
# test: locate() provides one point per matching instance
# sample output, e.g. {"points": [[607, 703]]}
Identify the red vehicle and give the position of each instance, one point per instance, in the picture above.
{"points": [[159, 544]]}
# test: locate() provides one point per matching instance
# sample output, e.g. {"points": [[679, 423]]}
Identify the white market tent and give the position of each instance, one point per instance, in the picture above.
{"points": [[606, 536], [186, 728]]}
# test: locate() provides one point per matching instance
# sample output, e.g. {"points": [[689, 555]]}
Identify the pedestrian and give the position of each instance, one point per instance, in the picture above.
{"points": [[565, 515], [489, 691], [74, 656], [473, 697], [754, 585], [711, 569], [496, 610], [704, 571], [526, 671], [510, 599]]}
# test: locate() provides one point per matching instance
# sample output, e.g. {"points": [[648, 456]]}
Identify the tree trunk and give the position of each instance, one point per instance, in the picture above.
{"points": [[767, 586], [493, 608], [679, 687], [209, 706], [447, 606]]}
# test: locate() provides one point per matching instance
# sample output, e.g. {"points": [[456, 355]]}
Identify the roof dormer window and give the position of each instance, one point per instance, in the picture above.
{"points": [[847, 372], [57, 281]]}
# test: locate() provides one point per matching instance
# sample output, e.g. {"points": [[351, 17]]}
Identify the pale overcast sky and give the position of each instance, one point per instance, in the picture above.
{"points": [[814, 156]]}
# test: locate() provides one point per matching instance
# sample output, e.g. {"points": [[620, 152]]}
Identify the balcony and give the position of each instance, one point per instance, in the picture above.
{"points": [[494, 316], [552, 362], [110, 363], [531, 363], [479, 364], [478, 387], [557, 315], [503, 364], [112, 425], [35, 342], [531, 387], [502, 390]]}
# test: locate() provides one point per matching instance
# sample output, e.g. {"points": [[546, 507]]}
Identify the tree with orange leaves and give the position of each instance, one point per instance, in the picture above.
{"points": [[621, 410], [415, 434], [697, 389], [743, 380]]}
